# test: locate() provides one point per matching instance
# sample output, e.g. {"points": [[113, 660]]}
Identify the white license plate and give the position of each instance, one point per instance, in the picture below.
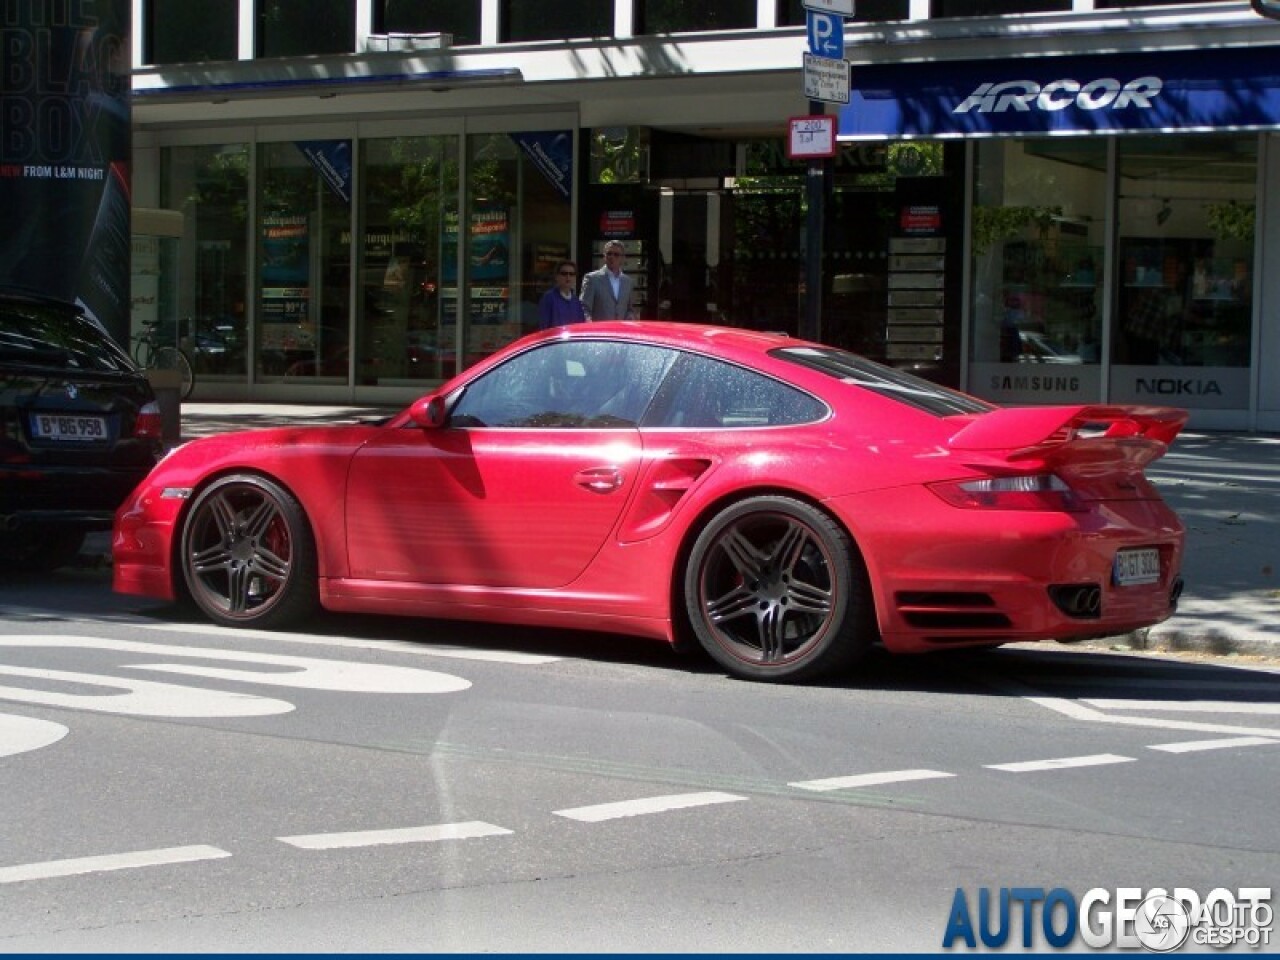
{"points": [[58, 426], [1135, 567]]}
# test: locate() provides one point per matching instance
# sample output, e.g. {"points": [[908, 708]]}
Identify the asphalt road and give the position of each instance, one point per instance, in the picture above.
{"points": [[403, 785]]}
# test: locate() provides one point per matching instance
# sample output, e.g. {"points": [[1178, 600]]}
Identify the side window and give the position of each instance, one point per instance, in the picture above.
{"points": [[596, 384], [707, 394]]}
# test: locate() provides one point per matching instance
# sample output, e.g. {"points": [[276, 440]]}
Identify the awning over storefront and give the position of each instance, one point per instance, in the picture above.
{"points": [[1212, 89]]}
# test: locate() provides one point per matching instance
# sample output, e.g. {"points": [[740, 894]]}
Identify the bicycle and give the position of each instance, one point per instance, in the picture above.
{"points": [[150, 354]]}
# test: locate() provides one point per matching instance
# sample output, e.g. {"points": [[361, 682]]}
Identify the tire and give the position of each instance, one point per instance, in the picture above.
{"points": [[775, 590], [248, 556], [38, 550], [171, 358]]}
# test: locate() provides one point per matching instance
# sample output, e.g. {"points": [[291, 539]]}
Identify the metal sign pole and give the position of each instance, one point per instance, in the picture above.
{"points": [[815, 223]]}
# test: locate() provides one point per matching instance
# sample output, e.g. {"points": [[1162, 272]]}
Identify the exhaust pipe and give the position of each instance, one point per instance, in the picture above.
{"points": [[1082, 601]]}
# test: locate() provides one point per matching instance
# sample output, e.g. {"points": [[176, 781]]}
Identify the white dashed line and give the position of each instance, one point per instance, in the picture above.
{"points": [[1191, 746], [379, 838], [635, 808], [114, 861], [1063, 763], [1186, 706], [869, 780]]}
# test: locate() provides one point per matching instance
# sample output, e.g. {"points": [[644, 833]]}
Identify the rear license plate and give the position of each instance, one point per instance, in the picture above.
{"points": [[57, 426], [1133, 568]]}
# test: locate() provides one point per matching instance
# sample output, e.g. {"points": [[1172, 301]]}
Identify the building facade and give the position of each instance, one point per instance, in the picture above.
{"points": [[1047, 201]]}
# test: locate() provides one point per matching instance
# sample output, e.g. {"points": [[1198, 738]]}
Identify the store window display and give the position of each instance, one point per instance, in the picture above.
{"points": [[1038, 235]]}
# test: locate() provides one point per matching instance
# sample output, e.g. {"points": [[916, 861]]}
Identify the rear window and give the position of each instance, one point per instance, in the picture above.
{"points": [[34, 335], [895, 384]]}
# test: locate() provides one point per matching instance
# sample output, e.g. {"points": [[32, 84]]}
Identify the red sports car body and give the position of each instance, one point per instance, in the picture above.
{"points": [[785, 503]]}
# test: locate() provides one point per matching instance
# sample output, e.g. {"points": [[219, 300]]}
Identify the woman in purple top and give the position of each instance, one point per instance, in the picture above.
{"points": [[560, 305]]}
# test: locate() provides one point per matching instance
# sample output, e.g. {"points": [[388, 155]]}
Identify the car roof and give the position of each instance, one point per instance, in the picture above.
{"points": [[725, 341]]}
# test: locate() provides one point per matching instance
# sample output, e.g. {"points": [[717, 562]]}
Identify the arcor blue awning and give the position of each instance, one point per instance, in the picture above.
{"points": [[1212, 89]]}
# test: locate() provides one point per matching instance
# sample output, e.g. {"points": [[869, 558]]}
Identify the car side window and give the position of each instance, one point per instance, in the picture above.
{"points": [[707, 394], [594, 384]]}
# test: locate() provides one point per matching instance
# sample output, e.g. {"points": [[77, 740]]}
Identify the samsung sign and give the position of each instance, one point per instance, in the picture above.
{"points": [[1179, 90]]}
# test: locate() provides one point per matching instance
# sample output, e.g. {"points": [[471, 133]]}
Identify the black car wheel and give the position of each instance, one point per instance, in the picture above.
{"points": [[776, 590], [248, 554]]}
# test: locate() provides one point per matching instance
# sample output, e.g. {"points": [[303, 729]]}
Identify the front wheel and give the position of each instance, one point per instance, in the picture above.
{"points": [[775, 590], [248, 555]]}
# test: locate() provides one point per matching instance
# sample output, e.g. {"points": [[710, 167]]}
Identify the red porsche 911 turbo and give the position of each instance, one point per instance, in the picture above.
{"points": [[785, 503]]}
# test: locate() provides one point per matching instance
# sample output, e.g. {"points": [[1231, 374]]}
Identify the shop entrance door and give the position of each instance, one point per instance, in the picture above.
{"points": [[686, 272]]}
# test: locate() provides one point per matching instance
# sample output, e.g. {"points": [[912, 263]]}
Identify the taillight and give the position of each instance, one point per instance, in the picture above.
{"points": [[1035, 492], [149, 425]]}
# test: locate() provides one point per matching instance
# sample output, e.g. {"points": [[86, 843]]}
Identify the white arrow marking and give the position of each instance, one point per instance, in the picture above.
{"points": [[139, 698], [115, 861], [20, 734], [302, 673]]}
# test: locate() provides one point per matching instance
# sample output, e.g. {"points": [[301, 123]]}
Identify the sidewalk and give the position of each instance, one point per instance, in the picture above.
{"points": [[1225, 486]]}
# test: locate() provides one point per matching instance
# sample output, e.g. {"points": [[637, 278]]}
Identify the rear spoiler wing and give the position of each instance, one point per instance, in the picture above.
{"points": [[1025, 432]]}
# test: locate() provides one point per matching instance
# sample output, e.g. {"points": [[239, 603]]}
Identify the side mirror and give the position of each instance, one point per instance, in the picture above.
{"points": [[429, 412]]}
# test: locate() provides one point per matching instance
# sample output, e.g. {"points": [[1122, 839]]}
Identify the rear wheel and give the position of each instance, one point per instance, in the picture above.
{"points": [[248, 554], [775, 590]]}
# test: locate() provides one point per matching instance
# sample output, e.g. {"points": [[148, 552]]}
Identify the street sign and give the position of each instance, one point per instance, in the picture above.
{"points": [[813, 136], [842, 7], [826, 34], [826, 79]]}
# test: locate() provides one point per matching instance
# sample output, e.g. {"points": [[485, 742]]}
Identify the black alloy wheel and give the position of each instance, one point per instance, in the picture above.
{"points": [[248, 555], [775, 590]]}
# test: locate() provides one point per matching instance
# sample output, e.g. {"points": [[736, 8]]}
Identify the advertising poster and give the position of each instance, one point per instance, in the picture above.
{"points": [[64, 155], [286, 283]]}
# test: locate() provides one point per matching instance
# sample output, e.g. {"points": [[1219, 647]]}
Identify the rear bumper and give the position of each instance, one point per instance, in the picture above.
{"points": [[947, 577]]}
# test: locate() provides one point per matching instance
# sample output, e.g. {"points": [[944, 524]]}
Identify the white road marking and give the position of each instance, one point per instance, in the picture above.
{"points": [[20, 734], [140, 698], [302, 673], [115, 861], [1062, 763], [869, 780], [374, 838], [1191, 746], [635, 808], [352, 643], [1186, 706]]}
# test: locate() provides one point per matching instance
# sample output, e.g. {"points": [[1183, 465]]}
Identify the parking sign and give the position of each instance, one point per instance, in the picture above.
{"points": [[826, 34]]}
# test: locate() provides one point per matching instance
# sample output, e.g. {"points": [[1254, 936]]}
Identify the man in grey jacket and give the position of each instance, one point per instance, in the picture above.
{"points": [[606, 293]]}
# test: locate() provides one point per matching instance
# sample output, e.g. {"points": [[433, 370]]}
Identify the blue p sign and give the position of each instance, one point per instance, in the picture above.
{"points": [[826, 34]]}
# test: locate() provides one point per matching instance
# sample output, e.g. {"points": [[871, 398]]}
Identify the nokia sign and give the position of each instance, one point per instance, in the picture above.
{"points": [[1102, 94]]}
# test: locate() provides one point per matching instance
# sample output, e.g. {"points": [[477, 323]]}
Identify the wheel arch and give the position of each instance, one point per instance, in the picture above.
{"points": [[681, 628], [176, 578]]}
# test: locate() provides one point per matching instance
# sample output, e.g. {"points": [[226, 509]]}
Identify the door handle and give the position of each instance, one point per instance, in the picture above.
{"points": [[599, 479]]}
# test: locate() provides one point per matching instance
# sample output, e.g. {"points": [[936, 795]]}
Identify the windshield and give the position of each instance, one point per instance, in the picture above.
{"points": [[895, 384]]}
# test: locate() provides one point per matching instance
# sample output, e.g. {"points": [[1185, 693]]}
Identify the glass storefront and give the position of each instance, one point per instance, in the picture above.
{"points": [[1167, 312], [209, 185], [303, 240], [410, 201]]}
